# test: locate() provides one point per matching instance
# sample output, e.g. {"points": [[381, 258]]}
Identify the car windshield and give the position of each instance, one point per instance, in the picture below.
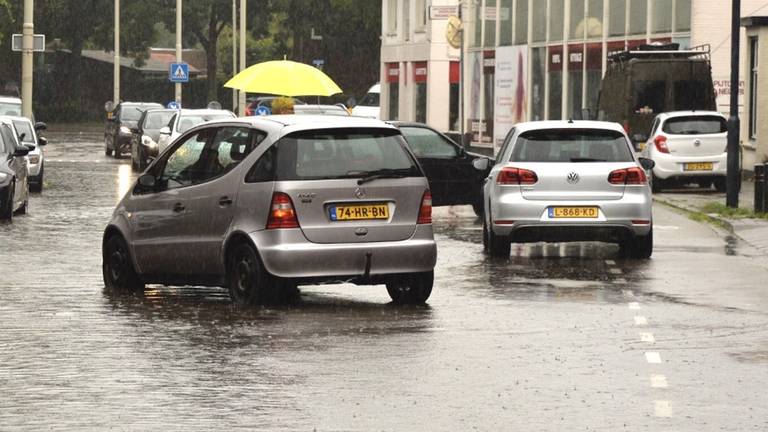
{"points": [[571, 145], [25, 131], [188, 121], [370, 99], [10, 108], [131, 112], [156, 120], [343, 153], [425, 142], [695, 125]]}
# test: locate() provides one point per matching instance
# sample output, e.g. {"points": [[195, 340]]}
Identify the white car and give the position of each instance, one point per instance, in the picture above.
{"points": [[185, 120], [10, 106], [688, 147], [36, 157], [560, 181], [369, 105]]}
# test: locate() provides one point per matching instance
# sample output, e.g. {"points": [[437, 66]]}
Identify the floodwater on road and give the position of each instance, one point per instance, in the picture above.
{"points": [[556, 337]]}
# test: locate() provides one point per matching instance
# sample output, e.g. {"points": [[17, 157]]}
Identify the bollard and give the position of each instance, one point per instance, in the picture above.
{"points": [[760, 188]]}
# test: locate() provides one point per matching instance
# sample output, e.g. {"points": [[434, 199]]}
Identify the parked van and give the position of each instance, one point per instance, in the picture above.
{"points": [[369, 105], [640, 84]]}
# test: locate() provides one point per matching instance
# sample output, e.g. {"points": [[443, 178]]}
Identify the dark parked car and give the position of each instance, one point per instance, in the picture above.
{"points": [[455, 175], [117, 132], [14, 189], [146, 135]]}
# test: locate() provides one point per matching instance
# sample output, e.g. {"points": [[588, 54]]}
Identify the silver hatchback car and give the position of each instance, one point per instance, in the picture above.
{"points": [[262, 204], [560, 181]]}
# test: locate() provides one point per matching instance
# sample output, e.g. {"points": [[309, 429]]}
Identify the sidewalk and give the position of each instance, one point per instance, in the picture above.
{"points": [[752, 231]]}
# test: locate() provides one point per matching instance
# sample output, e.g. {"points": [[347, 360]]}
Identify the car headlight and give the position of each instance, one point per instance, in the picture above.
{"points": [[34, 159], [125, 130], [148, 141], [3, 176]]}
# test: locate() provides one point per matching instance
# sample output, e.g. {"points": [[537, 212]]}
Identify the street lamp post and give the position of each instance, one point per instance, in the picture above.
{"points": [[241, 101], [27, 54], [234, 51], [116, 74], [178, 47], [733, 173]]}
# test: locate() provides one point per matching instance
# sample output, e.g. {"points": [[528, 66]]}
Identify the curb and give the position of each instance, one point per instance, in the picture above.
{"points": [[723, 222]]}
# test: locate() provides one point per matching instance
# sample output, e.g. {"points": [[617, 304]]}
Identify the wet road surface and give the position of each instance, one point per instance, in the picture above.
{"points": [[554, 338]]}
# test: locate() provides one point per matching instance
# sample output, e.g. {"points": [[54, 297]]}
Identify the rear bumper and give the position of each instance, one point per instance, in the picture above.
{"points": [[287, 253], [674, 166]]}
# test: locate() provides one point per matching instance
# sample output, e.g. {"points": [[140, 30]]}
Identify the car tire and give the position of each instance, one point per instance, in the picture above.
{"points": [[495, 245], [411, 289], [37, 186], [639, 247], [478, 207], [250, 283], [721, 185], [117, 266], [6, 212], [656, 184]]}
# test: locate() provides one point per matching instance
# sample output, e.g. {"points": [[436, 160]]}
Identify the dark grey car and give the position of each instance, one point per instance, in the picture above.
{"points": [[14, 187], [265, 203], [146, 134]]}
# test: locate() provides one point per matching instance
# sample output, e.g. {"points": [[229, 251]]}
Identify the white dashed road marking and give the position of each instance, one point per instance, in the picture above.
{"points": [[616, 271], [662, 408], [653, 357], [641, 321], [634, 305], [610, 262], [658, 381], [647, 337]]}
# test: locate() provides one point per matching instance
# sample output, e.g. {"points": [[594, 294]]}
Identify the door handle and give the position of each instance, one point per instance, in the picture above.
{"points": [[225, 201], [178, 207]]}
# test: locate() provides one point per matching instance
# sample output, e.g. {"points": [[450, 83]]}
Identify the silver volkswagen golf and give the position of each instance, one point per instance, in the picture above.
{"points": [[262, 204], [560, 181]]}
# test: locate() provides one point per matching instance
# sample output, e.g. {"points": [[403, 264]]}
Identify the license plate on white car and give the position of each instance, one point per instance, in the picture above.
{"points": [[573, 212]]}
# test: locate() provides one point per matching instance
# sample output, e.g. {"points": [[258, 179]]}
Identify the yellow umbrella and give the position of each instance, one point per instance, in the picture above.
{"points": [[284, 78]]}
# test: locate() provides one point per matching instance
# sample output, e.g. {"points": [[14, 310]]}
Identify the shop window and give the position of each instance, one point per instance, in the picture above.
{"points": [[753, 107], [661, 16], [575, 80], [594, 74], [539, 23], [393, 80], [538, 75], [594, 22], [505, 22], [638, 12], [617, 14], [556, 19], [682, 15], [490, 24], [555, 75], [578, 22], [521, 22], [420, 79]]}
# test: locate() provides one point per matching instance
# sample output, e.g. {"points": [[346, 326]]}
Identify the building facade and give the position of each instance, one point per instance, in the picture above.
{"points": [[530, 59]]}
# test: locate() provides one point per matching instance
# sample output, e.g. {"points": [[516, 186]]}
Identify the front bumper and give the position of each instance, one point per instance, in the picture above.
{"points": [[287, 253], [123, 142], [668, 166]]}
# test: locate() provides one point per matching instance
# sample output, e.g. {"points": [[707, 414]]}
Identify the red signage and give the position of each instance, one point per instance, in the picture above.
{"points": [[420, 72], [393, 72], [455, 74]]}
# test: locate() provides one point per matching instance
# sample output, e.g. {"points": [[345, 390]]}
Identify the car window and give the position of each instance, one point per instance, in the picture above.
{"points": [[232, 145], [3, 147], [10, 141], [264, 168], [185, 165], [505, 145], [131, 113], [649, 96], [10, 109], [426, 143], [695, 125], [343, 153], [571, 145], [25, 132], [156, 120]]}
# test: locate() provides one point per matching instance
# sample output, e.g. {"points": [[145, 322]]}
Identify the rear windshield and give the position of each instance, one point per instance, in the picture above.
{"points": [[10, 108], [571, 145], [343, 153], [156, 120], [695, 125]]}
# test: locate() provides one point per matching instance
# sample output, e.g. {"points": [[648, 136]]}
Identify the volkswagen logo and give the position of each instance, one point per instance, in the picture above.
{"points": [[697, 143], [360, 193], [573, 178]]}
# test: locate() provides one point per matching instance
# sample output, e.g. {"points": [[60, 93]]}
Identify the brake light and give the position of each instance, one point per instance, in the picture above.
{"points": [[516, 176], [282, 214], [661, 144], [628, 176], [627, 128], [425, 211]]}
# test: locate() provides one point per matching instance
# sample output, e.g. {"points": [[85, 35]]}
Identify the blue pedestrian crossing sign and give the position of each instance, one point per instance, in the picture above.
{"points": [[263, 110], [173, 105], [178, 72]]}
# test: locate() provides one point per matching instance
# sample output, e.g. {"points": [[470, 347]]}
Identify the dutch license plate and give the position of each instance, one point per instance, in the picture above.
{"points": [[699, 166], [573, 212], [358, 212]]}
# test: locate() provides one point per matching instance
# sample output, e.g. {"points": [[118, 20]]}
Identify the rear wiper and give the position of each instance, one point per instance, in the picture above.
{"points": [[587, 160], [379, 174]]}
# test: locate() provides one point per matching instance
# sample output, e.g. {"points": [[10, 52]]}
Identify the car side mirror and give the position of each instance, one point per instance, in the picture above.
{"points": [[481, 164], [29, 146], [165, 130], [647, 164], [135, 130], [21, 151], [147, 181], [41, 141], [39, 126]]}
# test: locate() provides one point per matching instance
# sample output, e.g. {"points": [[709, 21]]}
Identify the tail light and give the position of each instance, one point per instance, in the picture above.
{"points": [[627, 128], [661, 144], [628, 176], [282, 214], [516, 176], [425, 211]]}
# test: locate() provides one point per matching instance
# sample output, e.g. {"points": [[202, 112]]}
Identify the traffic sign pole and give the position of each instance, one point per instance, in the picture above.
{"points": [[178, 47], [27, 53]]}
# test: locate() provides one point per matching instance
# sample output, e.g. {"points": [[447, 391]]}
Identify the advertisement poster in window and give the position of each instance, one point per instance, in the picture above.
{"points": [[511, 102]]}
